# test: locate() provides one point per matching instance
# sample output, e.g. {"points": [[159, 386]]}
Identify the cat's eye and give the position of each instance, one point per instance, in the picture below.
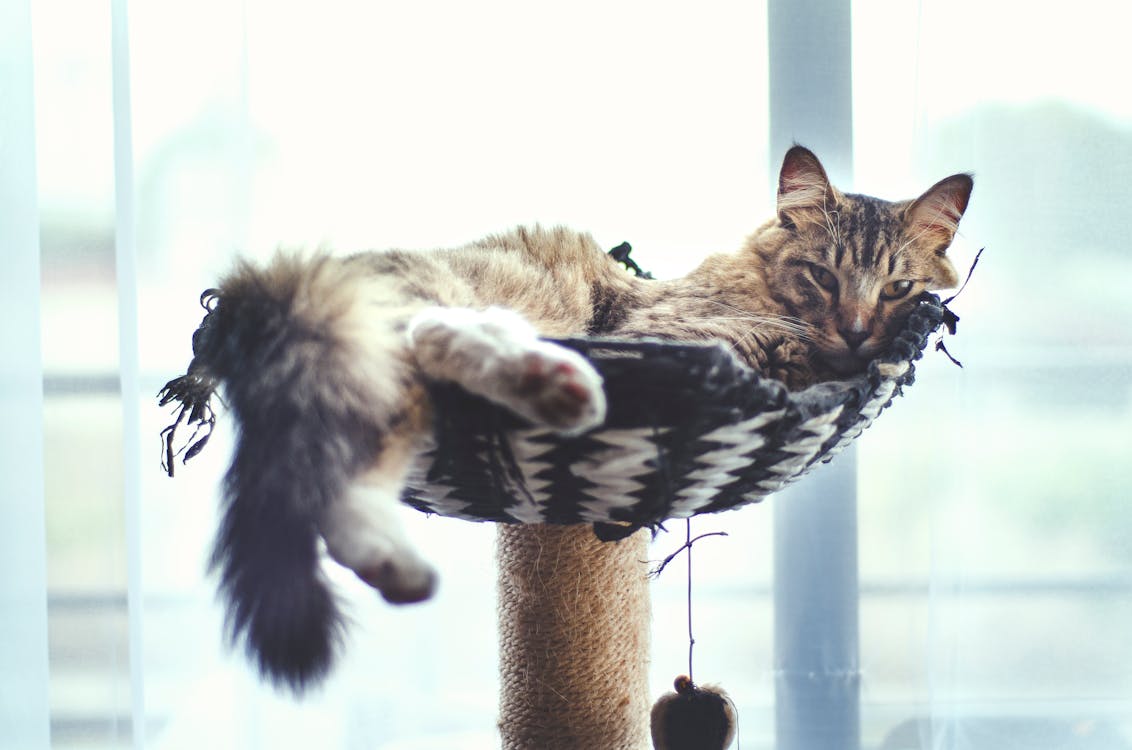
{"points": [[896, 289], [824, 278]]}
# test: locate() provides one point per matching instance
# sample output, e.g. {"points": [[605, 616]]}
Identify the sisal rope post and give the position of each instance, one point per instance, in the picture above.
{"points": [[574, 639]]}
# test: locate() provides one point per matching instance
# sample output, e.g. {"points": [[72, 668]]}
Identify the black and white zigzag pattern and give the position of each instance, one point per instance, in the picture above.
{"points": [[690, 430]]}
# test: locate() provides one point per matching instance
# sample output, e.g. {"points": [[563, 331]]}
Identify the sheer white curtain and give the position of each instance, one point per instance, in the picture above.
{"points": [[23, 604], [994, 546], [239, 127]]}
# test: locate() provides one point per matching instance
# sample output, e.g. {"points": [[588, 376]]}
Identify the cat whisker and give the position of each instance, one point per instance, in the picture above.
{"points": [[791, 325], [734, 308], [788, 326], [783, 323], [742, 314], [776, 324], [832, 224]]}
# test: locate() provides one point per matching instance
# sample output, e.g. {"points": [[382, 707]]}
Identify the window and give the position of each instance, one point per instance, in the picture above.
{"points": [[994, 543], [993, 546]]}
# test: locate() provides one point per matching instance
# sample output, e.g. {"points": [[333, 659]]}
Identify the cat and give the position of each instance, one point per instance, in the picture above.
{"points": [[324, 362]]}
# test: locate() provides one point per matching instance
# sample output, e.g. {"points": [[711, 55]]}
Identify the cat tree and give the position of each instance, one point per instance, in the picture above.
{"points": [[690, 430]]}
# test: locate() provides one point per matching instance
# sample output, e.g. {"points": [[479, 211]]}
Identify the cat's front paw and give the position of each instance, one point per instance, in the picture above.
{"points": [[791, 362]]}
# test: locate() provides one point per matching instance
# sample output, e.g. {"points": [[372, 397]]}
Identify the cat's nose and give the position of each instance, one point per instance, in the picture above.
{"points": [[853, 337]]}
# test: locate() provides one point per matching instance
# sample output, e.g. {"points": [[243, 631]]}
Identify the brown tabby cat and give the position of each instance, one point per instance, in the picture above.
{"points": [[324, 362]]}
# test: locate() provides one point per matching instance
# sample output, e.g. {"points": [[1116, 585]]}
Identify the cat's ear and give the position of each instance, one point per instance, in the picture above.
{"points": [[933, 219], [934, 216], [804, 192]]}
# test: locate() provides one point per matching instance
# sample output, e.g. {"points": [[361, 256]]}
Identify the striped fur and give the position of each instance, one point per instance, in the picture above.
{"points": [[323, 362]]}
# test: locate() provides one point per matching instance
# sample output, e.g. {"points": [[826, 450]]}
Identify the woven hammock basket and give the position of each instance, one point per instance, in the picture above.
{"points": [[690, 430]]}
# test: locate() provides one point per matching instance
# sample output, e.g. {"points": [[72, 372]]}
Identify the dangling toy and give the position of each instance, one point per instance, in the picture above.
{"points": [[693, 718]]}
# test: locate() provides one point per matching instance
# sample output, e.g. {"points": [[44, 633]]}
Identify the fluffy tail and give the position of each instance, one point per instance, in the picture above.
{"points": [[278, 340]]}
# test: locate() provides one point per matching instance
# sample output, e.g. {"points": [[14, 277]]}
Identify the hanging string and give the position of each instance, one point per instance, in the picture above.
{"points": [[691, 638], [692, 717], [689, 540]]}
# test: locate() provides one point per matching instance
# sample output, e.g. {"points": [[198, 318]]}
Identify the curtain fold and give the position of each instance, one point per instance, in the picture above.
{"points": [[129, 369], [24, 690]]}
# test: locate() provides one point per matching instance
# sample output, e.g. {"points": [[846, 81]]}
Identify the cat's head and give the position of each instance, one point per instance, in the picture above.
{"points": [[852, 266]]}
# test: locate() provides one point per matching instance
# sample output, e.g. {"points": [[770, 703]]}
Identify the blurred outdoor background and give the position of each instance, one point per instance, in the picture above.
{"points": [[995, 547]]}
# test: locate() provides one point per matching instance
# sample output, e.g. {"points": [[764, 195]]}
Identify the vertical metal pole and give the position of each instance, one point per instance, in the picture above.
{"points": [[817, 670], [24, 671], [817, 667], [811, 82]]}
